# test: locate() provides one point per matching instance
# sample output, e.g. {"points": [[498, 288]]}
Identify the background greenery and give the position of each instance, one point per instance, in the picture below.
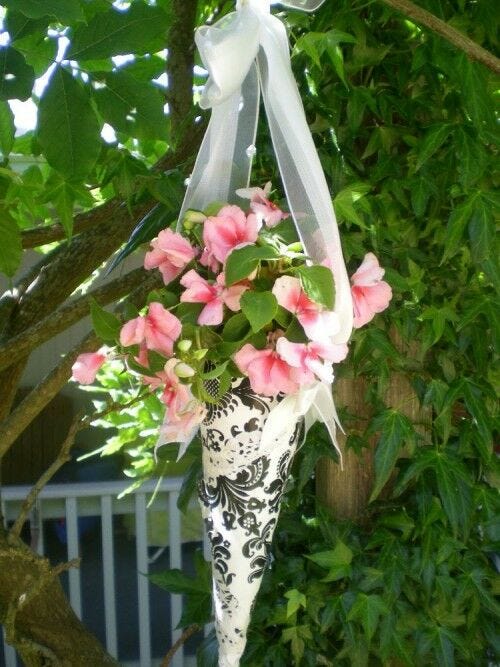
{"points": [[405, 126]]}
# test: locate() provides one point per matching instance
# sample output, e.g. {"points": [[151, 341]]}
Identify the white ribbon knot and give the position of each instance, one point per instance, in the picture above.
{"points": [[245, 53]]}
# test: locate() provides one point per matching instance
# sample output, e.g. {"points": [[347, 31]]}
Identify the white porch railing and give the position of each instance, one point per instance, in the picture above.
{"points": [[99, 499]]}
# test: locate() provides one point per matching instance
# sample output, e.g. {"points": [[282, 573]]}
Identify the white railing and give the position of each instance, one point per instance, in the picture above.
{"points": [[99, 499]]}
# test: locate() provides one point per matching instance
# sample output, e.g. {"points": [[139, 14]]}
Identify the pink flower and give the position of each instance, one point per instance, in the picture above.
{"points": [[227, 230], [208, 260], [158, 330], [184, 428], [86, 366], [170, 254], [214, 296], [370, 294], [319, 324], [175, 395], [313, 359], [265, 210], [269, 375]]}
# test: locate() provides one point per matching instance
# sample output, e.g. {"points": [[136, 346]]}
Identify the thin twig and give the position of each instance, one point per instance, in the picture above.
{"points": [[47, 475], [452, 35], [79, 423], [188, 632]]}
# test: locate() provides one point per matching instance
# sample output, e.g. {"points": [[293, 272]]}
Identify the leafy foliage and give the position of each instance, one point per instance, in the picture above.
{"points": [[405, 128]]}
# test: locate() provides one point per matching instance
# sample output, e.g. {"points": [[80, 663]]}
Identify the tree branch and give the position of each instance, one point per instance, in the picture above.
{"points": [[79, 423], [188, 632], [38, 619], [18, 347], [37, 236], [452, 35], [180, 64], [12, 427]]}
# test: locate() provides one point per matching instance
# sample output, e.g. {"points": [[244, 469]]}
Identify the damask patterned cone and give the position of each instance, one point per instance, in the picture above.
{"points": [[240, 496]]}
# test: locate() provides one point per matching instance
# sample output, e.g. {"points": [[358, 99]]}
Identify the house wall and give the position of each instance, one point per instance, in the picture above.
{"points": [[39, 444]]}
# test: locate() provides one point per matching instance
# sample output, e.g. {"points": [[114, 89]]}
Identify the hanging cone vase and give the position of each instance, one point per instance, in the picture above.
{"points": [[240, 495]]}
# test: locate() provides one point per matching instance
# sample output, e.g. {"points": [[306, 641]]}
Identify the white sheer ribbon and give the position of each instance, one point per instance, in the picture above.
{"points": [[242, 46], [245, 53], [312, 403]]}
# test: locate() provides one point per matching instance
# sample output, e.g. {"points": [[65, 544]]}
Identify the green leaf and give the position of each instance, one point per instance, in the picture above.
{"points": [[132, 106], [140, 29], [367, 609], [337, 561], [189, 486], [454, 490], [317, 283], [396, 429], [68, 129], [476, 97], [481, 231], [341, 555], [457, 222], [106, 325], [241, 262], [16, 76], [65, 11], [10, 245], [421, 190], [434, 139], [175, 581], [197, 609], [475, 403], [63, 196], [346, 203], [18, 25], [237, 328], [296, 600], [214, 372], [7, 128], [259, 308]]}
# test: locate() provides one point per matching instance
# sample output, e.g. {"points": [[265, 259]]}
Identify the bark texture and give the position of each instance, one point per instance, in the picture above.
{"points": [[36, 614], [346, 492]]}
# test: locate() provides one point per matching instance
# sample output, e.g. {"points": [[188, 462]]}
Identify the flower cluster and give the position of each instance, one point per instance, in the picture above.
{"points": [[240, 298]]}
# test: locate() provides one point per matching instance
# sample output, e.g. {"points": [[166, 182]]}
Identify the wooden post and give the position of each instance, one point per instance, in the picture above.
{"points": [[346, 492]]}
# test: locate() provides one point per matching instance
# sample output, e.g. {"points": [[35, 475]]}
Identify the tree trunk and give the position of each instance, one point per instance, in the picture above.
{"points": [[346, 492], [37, 617]]}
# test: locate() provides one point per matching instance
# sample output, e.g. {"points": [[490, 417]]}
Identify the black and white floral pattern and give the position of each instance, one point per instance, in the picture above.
{"points": [[240, 496]]}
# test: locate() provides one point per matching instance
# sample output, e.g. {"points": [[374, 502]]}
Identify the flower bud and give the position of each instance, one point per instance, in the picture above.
{"points": [[183, 370], [184, 345], [192, 218], [199, 354]]}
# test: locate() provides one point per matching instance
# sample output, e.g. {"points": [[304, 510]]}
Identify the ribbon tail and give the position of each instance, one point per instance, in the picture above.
{"points": [[323, 409], [300, 168], [314, 403]]}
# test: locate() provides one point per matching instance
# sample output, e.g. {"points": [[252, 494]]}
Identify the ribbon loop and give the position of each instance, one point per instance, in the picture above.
{"points": [[244, 52]]}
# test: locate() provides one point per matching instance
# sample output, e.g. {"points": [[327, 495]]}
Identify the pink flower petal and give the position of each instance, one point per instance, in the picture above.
{"points": [[170, 253], [293, 353], [85, 368], [370, 294], [287, 291], [369, 272], [212, 314], [228, 229], [132, 332], [246, 355]]}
